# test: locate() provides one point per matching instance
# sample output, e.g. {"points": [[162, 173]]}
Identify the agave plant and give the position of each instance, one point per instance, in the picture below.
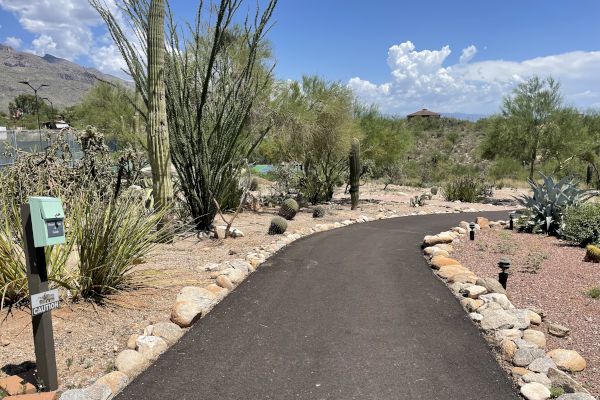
{"points": [[548, 203]]}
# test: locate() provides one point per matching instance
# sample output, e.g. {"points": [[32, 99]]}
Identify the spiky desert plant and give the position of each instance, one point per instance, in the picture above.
{"points": [[592, 253], [318, 212], [289, 209], [354, 172], [278, 226], [548, 203]]}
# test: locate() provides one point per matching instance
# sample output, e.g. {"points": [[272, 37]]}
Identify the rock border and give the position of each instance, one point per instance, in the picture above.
{"points": [[510, 331]]}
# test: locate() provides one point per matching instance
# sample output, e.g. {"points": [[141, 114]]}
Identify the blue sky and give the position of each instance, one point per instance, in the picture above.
{"points": [[451, 56]]}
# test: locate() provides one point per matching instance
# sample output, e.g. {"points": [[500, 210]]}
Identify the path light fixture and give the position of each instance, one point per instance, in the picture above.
{"points": [[472, 230], [504, 265], [512, 216]]}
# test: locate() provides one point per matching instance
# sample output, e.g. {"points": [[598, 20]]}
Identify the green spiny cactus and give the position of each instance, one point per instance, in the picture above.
{"points": [[278, 226], [319, 212], [354, 172], [288, 209]]}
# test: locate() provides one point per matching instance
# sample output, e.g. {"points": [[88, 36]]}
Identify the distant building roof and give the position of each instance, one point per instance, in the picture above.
{"points": [[424, 113]]}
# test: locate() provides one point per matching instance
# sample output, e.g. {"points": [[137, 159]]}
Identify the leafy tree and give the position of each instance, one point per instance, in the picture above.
{"points": [[26, 104], [315, 125], [531, 122]]}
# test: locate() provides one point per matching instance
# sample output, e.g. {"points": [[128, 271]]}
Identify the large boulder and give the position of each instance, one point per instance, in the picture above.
{"points": [[491, 284], [474, 291], [168, 331], [497, 319], [536, 337], [542, 364], [522, 317], [432, 240], [438, 262], [499, 298], [192, 302], [568, 360], [448, 271], [151, 347]]}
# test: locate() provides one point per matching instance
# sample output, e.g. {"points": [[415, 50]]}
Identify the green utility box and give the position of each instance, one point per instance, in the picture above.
{"points": [[47, 221]]}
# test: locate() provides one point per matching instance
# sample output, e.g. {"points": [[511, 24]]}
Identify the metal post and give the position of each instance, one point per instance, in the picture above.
{"points": [[504, 265], [472, 231], [512, 221], [37, 278]]}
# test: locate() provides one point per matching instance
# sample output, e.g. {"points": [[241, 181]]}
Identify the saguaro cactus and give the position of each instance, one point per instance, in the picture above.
{"points": [[354, 172], [157, 128]]}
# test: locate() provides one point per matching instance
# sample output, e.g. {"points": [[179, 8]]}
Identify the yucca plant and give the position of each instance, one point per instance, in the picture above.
{"points": [[13, 283], [111, 236], [548, 203]]}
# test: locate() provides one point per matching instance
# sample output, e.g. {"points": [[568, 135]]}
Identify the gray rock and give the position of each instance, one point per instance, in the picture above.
{"points": [[511, 334], [168, 331], [498, 298], [98, 391], [75, 394], [572, 396], [240, 265], [151, 347], [537, 377], [497, 319], [522, 317], [564, 381], [558, 330], [115, 380], [211, 266], [130, 362], [525, 356], [521, 343], [491, 284], [535, 391], [542, 364], [236, 275]]}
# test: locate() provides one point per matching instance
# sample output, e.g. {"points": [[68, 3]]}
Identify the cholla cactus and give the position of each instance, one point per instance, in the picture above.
{"points": [[278, 226], [319, 212], [288, 209]]}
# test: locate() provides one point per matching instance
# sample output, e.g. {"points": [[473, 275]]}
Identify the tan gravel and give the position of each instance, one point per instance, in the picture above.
{"points": [[548, 275], [88, 336]]}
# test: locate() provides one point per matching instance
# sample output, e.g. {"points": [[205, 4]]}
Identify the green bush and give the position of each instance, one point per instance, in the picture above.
{"points": [[465, 188], [582, 224], [110, 237], [278, 226]]}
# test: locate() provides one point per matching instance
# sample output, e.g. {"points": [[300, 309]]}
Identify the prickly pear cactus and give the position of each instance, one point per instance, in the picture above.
{"points": [[289, 209], [278, 226], [354, 172]]}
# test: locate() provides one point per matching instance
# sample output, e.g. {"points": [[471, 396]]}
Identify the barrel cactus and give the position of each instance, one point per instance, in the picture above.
{"points": [[289, 209], [434, 190], [319, 212], [278, 226], [354, 161], [253, 184]]}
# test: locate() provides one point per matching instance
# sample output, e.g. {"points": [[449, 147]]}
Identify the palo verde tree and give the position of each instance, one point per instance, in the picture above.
{"points": [[531, 121]]}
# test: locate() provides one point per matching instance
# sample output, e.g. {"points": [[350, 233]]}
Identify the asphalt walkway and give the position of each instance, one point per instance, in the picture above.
{"points": [[351, 313]]}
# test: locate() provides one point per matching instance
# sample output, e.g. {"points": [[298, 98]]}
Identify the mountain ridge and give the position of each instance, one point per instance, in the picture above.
{"points": [[68, 82]]}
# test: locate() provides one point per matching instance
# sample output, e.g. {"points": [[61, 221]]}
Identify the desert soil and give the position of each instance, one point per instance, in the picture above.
{"points": [[88, 336], [549, 275]]}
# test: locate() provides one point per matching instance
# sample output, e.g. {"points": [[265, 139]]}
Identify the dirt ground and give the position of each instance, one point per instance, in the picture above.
{"points": [[88, 336], [548, 275]]}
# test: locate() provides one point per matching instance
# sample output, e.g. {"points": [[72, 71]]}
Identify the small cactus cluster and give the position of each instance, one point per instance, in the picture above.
{"points": [[318, 212], [592, 253], [289, 209], [278, 226], [253, 184], [419, 201], [434, 190]]}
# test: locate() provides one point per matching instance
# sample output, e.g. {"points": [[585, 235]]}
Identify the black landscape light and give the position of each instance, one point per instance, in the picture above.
{"points": [[504, 265], [472, 230], [37, 106], [512, 216]]}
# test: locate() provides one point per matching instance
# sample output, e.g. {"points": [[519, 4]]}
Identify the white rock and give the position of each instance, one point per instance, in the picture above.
{"points": [[475, 291], [497, 319], [168, 331], [151, 347], [535, 391], [498, 298], [537, 377], [475, 316], [130, 362], [542, 364]]}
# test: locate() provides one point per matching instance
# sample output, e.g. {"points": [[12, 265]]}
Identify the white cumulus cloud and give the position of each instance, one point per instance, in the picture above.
{"points": [[13, 42], [422, 78]]}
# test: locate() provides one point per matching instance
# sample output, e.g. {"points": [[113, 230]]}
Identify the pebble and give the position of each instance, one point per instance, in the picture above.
{"points": [[558, 330]]}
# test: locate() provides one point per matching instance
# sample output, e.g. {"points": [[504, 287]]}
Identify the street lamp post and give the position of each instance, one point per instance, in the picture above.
{"points": [[37, 106], [51, 108]]}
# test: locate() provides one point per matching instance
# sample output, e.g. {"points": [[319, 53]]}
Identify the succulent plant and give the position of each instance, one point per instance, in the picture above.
{"points": [[278, 226], [319, 212], [592, 253], [547, 205], [289, 209], [354, 172], [253, 184], [434, 190]]}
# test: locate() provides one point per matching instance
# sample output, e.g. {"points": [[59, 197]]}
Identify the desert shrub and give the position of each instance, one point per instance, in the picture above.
{"points": [[253, 184], [318, 212], [111, 236], [548, 203], [556, 392], [582, 224], [594, 293], [289, 209], [419, 201], [278, 226], [464, 188]]}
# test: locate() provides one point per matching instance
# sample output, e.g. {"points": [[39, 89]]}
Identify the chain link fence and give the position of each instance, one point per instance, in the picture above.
{"points": [[30, 141]]}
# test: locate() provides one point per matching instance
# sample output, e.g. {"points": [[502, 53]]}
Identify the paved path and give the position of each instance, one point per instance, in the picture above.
{"points": [[352, 313]]}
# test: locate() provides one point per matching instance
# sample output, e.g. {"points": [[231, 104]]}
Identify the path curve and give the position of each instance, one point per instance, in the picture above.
{"points": [[351, 313]]}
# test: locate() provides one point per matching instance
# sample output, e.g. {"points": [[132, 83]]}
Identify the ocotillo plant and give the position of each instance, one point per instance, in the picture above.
{"points": [[354, 172]]}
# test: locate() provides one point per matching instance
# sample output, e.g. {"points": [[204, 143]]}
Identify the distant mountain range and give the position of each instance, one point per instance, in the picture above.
{"points": [[68, 82]]}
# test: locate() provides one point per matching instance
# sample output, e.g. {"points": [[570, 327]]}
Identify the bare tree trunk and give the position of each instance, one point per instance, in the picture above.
{"points": [[157, 128]]}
